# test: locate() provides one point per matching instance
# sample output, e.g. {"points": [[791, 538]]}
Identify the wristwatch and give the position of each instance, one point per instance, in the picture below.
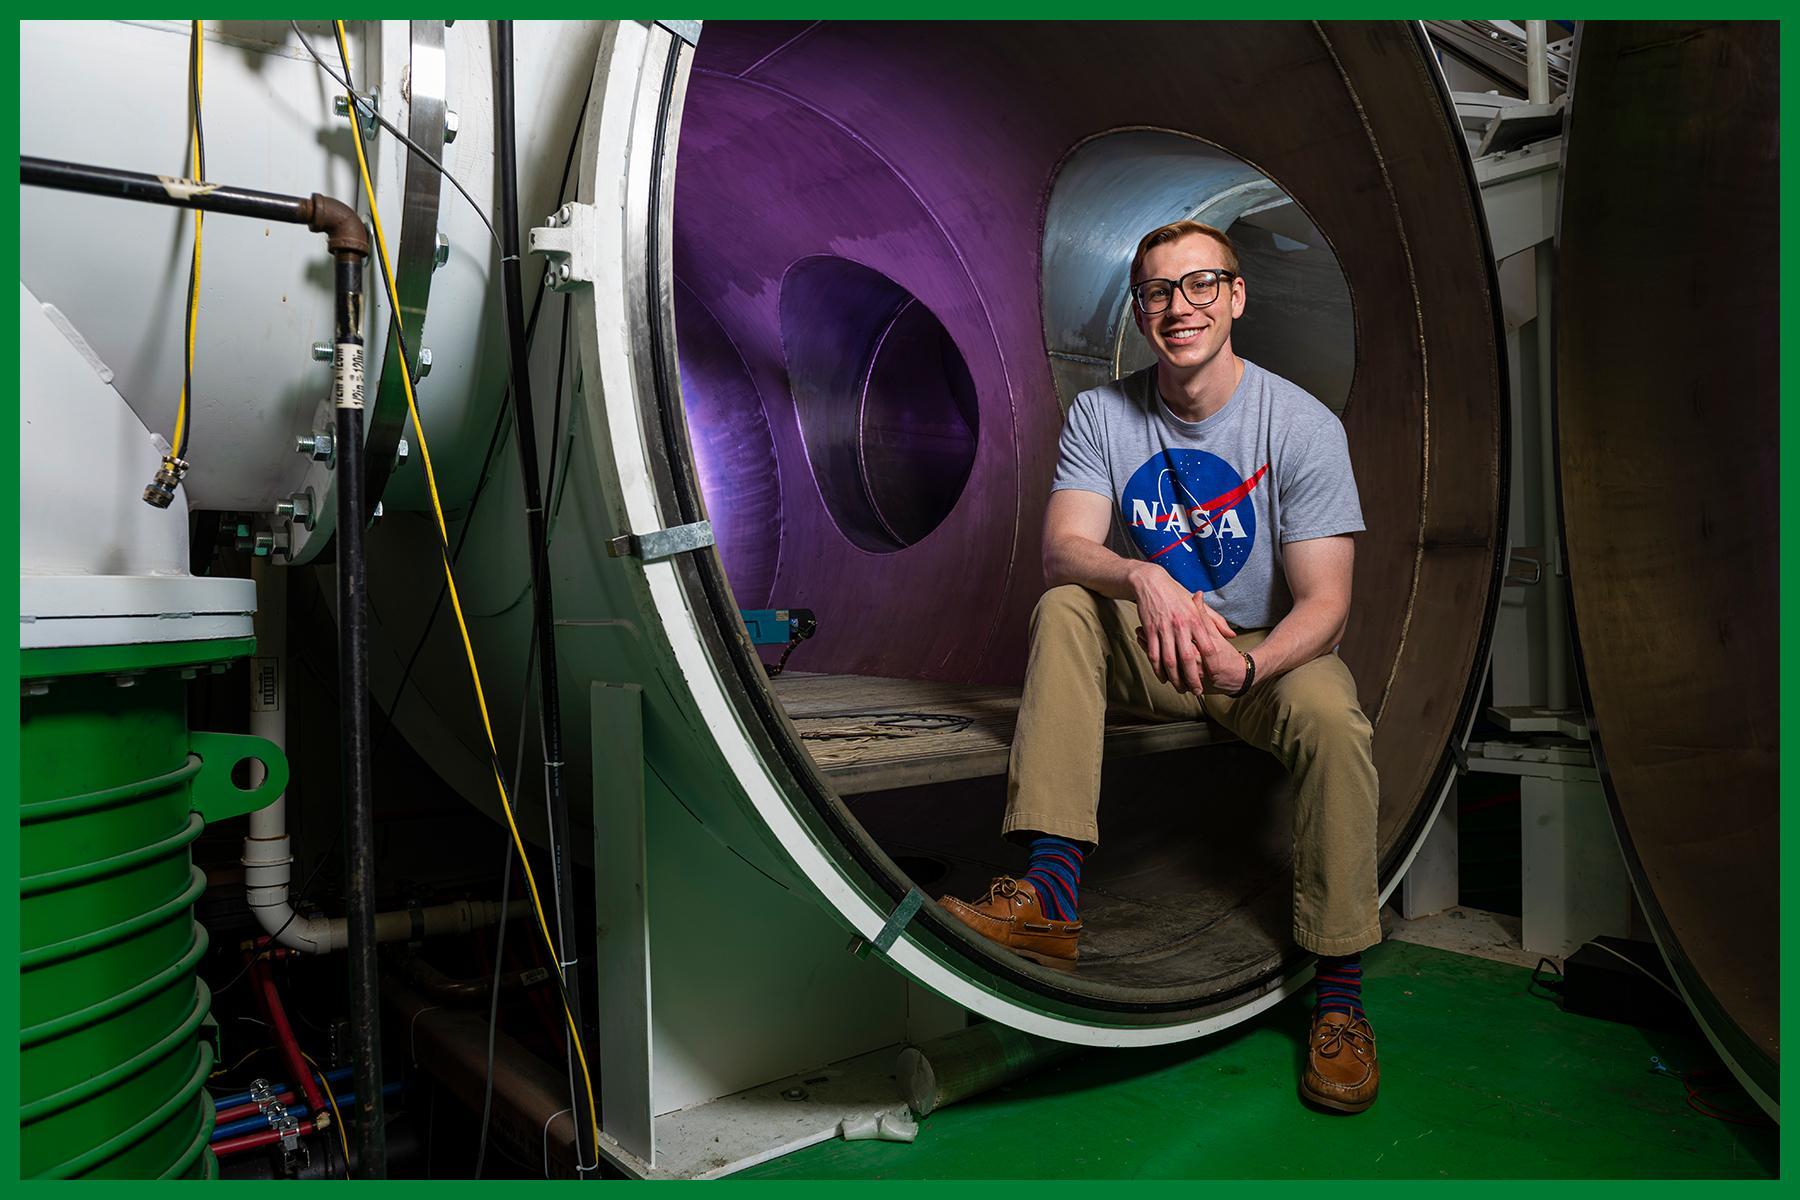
{"points": [[1249, 675]]}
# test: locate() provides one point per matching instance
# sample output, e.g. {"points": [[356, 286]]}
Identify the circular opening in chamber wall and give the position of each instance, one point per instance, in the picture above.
{"points": [[1114, 188], [886, 405]]}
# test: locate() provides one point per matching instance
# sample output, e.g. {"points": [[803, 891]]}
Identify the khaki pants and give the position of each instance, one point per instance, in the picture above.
{"points": [[1085, 656]]}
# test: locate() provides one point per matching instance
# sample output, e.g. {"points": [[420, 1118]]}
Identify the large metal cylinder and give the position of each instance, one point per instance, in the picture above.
{"points": [[807, 198], [1667, 411]]}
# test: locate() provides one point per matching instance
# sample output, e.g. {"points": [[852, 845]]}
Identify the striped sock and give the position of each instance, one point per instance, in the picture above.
{"points": [[1055, 872], [1338, 985]]}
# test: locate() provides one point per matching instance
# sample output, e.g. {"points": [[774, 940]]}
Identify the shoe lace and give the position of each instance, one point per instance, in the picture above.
{"points": [[1005, 885], [1333, 1034]]}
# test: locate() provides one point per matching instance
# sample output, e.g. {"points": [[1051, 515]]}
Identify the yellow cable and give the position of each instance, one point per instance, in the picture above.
{"points": [[181, 410], [462, 626], [337, 1117]]}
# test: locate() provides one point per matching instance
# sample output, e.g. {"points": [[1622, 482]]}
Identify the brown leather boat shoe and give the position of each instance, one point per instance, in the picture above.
{"points": [[1011, 915], [1341, 1071]]}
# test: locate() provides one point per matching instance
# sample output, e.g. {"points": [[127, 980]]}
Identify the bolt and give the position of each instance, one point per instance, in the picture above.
{"points": [[552, 221], [126, 681], [451, 121], [562, 271], [35, 689], [794, 1093], [563, 214], [442, 255], [190, 672], [422, 368], [263, 544], [319, 447], [550, 277], [365, 110], [321, 351], [297, 507], [401, 451]]}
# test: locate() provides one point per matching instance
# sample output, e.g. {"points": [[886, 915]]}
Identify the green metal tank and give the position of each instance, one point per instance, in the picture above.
{"points": [[114, 788]]}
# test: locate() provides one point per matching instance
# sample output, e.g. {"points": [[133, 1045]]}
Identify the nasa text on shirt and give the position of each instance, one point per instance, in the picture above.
{"points": [[1186, 511]]}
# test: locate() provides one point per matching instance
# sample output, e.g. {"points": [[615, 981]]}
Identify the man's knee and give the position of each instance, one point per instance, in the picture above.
{"points": [[1066, 605], [1322, 713]]}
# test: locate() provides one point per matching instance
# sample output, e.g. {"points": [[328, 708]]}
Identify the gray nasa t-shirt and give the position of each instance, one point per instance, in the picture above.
{"points": [[1213, 501]]}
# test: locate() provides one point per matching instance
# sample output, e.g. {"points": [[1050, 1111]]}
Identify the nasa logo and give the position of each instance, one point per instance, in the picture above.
{"points": [[1185, 510]]}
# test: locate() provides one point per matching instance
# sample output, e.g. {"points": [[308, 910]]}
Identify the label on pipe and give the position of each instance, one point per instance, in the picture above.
{"points": [[347, 376]]}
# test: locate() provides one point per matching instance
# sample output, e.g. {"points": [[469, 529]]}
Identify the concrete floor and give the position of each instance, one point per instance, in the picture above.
{"points": [[1480, 1080]]}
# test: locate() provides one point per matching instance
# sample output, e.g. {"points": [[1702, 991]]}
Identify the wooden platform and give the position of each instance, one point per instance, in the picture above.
{"points": [[869, 734]]}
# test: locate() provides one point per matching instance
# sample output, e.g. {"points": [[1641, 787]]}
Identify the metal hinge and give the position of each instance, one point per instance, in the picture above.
{"points": [[566, 240], [663, 543]]}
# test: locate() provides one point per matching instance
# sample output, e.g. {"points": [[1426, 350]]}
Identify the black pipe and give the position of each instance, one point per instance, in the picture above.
{"points": [[322, 214], [549, 703], [353, 696], [158, 189]]}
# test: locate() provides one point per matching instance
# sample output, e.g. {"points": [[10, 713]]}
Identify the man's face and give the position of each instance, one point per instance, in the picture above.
{"points": [[1184, 337]]}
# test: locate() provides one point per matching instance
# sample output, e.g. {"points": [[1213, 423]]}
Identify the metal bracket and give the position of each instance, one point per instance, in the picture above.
{"points": [[263, 1093], [687, 31], [286, 1124], [899, 919], [367, 104], [1536, 577], [663, 543], [566, 240]]}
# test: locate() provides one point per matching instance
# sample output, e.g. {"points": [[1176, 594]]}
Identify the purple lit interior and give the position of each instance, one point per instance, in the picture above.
{"points": [[862, 216], [840, 183]]}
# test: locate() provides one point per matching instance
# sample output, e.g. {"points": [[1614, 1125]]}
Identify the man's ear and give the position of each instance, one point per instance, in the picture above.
{"points": [[1239, 296]]}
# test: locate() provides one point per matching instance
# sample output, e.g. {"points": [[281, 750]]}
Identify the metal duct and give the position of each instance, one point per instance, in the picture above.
{"points": [[1667, 392]]}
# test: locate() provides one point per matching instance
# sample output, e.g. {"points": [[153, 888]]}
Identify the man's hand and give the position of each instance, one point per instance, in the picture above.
{"points": [[1183, 637]]}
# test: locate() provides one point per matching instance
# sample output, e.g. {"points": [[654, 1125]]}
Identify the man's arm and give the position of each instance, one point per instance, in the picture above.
{"points": [[1175, 620], [1319, 571]]}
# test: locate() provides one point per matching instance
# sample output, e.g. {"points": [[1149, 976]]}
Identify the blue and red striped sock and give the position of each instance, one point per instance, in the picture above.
{"points": [[1338, 985], [1055, 873]]}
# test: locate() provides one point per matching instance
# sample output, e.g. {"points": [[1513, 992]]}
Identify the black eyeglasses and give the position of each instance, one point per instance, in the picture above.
{"points": [[1200, 287]]}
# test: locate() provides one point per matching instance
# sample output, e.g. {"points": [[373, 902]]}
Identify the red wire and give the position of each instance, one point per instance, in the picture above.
{"points": [[1700, 1106], [250, 1141], [284, 1035]]}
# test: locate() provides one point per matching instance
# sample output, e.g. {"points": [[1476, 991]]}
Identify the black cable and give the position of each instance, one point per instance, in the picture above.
{"points": [[500, 417], [1539, 979], [544, 605], [487, 1096]]}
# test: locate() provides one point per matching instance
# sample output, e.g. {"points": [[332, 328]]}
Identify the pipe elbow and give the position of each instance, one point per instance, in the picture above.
{"points": [[343, 229]]}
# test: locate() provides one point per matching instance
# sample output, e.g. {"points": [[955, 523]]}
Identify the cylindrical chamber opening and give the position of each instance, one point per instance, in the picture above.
{"points": [[835, 177]]}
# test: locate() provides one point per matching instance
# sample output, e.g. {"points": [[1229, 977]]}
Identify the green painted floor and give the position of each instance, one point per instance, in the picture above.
{"points": [[1479, 1080]]}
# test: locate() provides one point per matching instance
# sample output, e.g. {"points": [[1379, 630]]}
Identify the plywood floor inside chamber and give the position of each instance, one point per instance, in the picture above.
{"points": [[868, 734], [1190, 886]]}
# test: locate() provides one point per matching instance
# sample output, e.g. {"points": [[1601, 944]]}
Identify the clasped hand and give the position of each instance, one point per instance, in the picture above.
{"points": [[1187, 642]]}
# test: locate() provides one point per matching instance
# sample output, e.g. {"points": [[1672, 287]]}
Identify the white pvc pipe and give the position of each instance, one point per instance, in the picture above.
{"points": [[268, 859]]}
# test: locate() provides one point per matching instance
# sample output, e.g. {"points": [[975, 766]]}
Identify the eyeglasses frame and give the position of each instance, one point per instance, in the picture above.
{"points": [[1221, 272]]}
